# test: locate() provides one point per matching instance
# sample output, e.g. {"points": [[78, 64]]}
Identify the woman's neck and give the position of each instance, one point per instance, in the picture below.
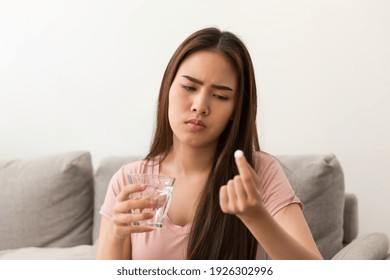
{"points": [[187, 161]]}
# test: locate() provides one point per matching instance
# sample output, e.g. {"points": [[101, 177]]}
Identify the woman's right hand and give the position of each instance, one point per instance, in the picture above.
{"points": [[123, 219]]}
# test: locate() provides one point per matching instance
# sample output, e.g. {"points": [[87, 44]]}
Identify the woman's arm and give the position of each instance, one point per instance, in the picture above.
{"points": [[114, 236], [110, 247], [284, 236]]}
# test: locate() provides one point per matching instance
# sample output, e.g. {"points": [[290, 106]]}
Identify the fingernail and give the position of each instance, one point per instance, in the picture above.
{"points": [[238, 154]]}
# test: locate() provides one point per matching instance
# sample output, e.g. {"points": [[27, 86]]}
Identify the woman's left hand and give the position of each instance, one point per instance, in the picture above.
{"points": [[241, 195]]}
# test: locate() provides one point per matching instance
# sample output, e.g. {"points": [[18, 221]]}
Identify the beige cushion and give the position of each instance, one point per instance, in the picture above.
{"points": [[81, 252], [46, 201]]}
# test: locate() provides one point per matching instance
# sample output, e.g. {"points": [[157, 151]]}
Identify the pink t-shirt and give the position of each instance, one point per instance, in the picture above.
{"points": [[170, 241]]}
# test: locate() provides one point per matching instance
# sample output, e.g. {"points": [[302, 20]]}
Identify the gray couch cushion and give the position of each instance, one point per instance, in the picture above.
{"points": [[351, 219], [46, 201], [106, 170], [372, 246], [319, 182]]}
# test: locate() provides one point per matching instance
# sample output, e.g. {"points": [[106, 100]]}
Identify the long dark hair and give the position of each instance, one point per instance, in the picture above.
{"points": [[215, 235]]}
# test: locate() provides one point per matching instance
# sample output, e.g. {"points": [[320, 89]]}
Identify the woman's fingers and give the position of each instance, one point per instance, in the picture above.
{"points": [[239, 188], [126, 206], [128, 212], [123, 231], [241, 193], [247, 174], [140, 229], [130, 218], [231, 193], [224, 200], [233, 198], [125, 224], [129, 189]]}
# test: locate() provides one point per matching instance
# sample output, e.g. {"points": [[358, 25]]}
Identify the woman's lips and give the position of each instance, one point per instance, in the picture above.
{"points": [[195, 125]]}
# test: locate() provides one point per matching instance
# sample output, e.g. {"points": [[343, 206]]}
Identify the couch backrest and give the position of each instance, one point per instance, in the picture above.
{"points": [[107, 168], [317, 180], [46, 201]]}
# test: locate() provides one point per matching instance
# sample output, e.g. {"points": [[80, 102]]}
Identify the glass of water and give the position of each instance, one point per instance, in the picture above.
{"points": [[158, 189]]}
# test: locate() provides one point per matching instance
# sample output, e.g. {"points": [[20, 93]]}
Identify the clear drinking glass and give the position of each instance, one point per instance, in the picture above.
{"points": [[159, 189]]}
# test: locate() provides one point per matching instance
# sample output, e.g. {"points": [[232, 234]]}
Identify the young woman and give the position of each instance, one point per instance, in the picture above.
{"points": [[223, 207]]}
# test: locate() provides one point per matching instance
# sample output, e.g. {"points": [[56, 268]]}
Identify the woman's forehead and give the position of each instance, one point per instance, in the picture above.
{"points": [[209, 66]]}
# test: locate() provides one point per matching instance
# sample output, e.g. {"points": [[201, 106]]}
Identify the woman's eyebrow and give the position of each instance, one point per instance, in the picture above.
{"points": [[220, 87]]}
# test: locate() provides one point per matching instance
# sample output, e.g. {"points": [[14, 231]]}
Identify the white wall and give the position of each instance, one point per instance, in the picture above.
{"points": [[85, 75]]}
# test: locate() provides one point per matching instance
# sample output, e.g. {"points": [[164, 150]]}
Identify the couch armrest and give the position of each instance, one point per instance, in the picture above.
{"points": [[372, 246], [350, 224]]}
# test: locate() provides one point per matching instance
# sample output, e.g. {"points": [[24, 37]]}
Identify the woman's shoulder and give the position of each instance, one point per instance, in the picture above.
{"points": [[277, 190], [141, 166], [263, 155], [267, 164], [133, 166], [264, 159]]}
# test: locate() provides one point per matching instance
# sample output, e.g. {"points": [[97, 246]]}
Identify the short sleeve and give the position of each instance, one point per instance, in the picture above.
{"points": [[117, 182], [114, 188], [277, 191]]}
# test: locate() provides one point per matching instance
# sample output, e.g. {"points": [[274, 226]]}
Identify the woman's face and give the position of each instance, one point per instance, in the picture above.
{"points": [[202, 98]]}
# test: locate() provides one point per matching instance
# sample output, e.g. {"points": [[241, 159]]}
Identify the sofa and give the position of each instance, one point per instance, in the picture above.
{"points": [[49, 206]]}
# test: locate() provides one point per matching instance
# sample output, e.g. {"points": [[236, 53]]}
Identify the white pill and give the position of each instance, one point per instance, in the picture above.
{"points": [[238, 154]]}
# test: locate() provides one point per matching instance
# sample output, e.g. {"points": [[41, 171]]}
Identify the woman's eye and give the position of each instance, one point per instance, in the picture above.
{"points": [[189, 88], [221, 97]]}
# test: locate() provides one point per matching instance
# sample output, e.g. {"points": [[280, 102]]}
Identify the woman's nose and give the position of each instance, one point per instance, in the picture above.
{"points": [[200, 104]]}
